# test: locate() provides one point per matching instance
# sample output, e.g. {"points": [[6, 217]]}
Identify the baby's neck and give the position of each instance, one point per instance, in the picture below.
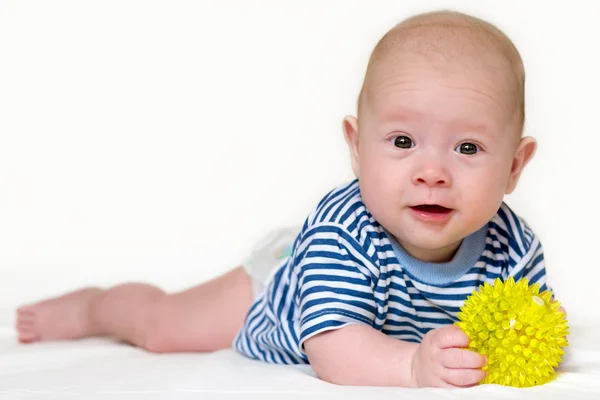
{"points": [[440, 255]]}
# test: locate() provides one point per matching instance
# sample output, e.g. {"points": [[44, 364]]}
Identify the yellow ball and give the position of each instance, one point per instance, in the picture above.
{"points": [[519, 329]]}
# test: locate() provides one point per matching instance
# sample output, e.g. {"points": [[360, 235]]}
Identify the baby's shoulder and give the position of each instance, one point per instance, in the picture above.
{"points": [[343, 209], [512, 230], [340, 232]]}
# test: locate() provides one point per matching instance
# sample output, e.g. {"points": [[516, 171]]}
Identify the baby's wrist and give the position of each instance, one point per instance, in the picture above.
{"points": [[413, 381]]}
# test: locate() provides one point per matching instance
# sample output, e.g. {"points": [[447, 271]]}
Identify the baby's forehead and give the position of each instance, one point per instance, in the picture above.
{"points": [[451, 42]]}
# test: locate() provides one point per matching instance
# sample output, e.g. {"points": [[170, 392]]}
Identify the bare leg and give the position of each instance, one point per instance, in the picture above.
{"points": [[203, 318]]}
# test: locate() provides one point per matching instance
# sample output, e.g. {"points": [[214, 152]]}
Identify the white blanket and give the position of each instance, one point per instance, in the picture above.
{"points": [[104, 369]]}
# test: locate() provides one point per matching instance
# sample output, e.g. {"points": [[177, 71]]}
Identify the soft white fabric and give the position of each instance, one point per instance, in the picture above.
{"points": [[103, 369]]}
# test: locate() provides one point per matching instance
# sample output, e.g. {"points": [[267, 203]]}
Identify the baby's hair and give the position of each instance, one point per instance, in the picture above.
{"points": [[448, 36]]}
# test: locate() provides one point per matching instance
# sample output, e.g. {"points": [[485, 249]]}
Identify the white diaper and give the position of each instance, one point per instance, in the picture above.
{"points": [[269, 254]]}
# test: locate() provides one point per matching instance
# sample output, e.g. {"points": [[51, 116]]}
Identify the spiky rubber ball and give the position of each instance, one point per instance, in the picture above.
{"points": [[520, 330]]}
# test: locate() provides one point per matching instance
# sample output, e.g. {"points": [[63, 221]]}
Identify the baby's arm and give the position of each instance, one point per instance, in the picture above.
{"points": [[360, 355], [338, 307]]}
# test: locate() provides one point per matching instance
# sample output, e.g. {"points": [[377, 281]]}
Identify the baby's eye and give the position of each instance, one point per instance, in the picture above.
{"points": [[403, 142], [467, 148]]}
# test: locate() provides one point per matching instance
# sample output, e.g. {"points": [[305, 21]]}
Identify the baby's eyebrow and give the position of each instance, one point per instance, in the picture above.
{"points": [[402, 113], [457, 124], [409, 114], [466, 125]]}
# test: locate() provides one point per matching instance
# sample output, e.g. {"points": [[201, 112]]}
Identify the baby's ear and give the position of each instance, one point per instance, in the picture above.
{"points": [[523, 154], [350, 127]]}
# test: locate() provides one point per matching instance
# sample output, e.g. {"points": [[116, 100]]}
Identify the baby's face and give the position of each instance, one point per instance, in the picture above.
{"points": [[435, 153]]}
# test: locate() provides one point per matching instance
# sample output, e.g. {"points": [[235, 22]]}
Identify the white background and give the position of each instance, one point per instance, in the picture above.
{"points": [[156, 141]]}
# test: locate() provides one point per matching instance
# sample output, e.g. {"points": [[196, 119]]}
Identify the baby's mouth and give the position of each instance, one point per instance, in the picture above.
{"points": [[431, 208]]}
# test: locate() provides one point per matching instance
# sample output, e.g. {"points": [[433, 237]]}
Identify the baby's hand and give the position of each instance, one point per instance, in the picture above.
{"points": [[562, 310], [442, 361]]}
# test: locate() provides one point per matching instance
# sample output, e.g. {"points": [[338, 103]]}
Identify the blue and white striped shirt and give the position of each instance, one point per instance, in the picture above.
{"points": [[345, 269]]}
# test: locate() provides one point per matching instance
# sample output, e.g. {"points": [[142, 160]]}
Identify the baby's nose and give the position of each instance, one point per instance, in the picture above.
{"points": [[432, 174]]}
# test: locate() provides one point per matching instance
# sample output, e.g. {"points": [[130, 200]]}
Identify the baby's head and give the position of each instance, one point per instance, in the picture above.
{"points": [[438, 139]]}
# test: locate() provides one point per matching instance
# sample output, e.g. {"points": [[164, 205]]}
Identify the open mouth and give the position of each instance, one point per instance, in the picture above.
{"points": [[432, 208]]}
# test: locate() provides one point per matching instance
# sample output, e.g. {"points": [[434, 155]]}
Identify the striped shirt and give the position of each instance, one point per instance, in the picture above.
{"points": [[345, 268]]}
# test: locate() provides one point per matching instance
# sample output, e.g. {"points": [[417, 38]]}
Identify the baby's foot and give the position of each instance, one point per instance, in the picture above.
{"points": [[64, 317]]}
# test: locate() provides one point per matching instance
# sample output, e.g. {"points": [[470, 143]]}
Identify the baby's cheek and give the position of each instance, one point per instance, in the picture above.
{"points": [[485, 194], [381, 198], [479, 205], [376, 198]]}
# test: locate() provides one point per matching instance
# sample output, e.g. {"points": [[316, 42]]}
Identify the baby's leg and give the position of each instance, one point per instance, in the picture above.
{"points": [[203, 318]]}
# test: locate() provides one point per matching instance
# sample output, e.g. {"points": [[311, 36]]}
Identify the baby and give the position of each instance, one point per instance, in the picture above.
{"points": [[369, 287]]}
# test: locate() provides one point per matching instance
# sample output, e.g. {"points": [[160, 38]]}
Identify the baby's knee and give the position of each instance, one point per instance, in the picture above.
{"points": [[137, 291], [157, 338]]}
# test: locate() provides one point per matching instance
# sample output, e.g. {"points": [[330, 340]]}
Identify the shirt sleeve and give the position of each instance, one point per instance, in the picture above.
{"points": [[334, 281], [526, 259]]}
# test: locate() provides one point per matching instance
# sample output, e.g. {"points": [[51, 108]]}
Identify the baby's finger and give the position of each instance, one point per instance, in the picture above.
{"points": [[463, 377], [562, 310], [460, 358], [450, 336]]}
